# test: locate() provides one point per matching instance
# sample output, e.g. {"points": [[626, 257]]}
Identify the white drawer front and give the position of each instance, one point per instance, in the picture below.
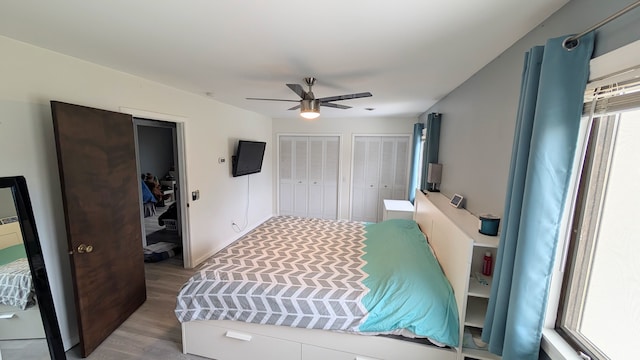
{"points": [[310, 352], [228, 344]]}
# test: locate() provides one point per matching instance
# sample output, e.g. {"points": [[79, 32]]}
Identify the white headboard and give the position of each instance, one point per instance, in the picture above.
{"points": [[10, 234], [452, 246]]}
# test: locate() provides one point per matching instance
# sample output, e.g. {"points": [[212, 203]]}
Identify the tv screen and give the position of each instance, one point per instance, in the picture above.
{"points": [[248, 159]]}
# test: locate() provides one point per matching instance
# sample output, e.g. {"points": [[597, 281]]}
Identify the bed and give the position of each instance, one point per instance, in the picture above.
{"points": [[19, 312], [213, 322]]}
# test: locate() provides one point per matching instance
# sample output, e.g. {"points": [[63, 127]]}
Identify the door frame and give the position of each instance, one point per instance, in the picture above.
{"points": [[277, 167], [353, 148], [140, 122], [182, 197]]}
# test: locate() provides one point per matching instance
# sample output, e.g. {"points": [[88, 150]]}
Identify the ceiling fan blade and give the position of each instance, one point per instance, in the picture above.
{"points": [[338, 106], [295, 107], [345, 97], [298, 90], [272, 99]]}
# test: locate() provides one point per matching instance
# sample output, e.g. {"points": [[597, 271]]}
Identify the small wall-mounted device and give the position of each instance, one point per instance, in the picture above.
{"points": [[221, 160], [456, 201], [195, 195]]}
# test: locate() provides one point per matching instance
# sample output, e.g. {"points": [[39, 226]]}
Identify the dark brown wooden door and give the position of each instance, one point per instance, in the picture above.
{"points": [[100, 189]]}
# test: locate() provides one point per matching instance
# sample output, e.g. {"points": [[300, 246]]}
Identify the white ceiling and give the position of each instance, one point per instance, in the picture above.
{"points": [[408, 53]]}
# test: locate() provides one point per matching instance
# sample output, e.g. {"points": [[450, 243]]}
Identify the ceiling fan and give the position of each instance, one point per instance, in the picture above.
{"points": [[310, 106]]}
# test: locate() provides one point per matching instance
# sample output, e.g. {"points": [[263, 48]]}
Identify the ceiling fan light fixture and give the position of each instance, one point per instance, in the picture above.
{"points": [[310, 106], [310, 109]]}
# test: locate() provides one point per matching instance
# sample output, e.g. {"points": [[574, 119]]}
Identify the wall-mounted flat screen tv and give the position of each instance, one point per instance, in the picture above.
{"points": [[248, 158]]}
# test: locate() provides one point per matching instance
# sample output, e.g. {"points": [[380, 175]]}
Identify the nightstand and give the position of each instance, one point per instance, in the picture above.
{"points": [[397, 209]]}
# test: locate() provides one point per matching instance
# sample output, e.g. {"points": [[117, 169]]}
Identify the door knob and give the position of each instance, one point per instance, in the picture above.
{"points": [[82, 248]]}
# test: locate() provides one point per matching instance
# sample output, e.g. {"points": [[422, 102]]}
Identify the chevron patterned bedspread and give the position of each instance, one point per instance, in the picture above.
{"points": [[315, 273], [16, 285]]}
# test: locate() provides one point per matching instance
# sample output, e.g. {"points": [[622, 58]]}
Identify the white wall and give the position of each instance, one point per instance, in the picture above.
{"points": [[346, 127], [478, 118], [32, 76], [7, 206]]}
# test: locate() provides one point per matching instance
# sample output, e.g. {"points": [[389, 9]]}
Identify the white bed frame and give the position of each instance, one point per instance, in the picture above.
{"points": [[235, 340]]}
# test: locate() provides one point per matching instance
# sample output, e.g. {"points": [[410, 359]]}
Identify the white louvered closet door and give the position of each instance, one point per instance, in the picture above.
{"points": [[285, 175], [387, 173], [300, 185], [366, 177], [316, 156], [358, 178], [312, 188], [331, 178], [400, 189], [372, 179], [380, 168]]}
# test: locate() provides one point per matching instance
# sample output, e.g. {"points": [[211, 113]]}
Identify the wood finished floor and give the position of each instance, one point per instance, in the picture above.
{"points": [[24, 350], [152, 332]]}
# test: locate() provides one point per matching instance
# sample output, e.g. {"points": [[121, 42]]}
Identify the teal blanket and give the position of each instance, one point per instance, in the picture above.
{"points": [[12, 253], [407, 286]]}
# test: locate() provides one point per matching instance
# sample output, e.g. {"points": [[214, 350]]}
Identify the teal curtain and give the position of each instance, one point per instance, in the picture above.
{"points": [[415, 160], [545, 141], [431, 146]]}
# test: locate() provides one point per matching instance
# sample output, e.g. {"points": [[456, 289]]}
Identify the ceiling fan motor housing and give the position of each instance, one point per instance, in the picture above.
{"points": [[310, 105], [310, 108]]}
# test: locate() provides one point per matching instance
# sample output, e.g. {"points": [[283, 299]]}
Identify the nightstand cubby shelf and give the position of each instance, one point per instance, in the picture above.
{"points": [[479, 288]]}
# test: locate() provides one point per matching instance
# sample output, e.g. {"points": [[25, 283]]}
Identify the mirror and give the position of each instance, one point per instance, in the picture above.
{"points": [[28, 324]]}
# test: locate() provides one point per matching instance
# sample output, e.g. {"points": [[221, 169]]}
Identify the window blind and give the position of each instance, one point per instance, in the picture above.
{"points": [[614, 94]]}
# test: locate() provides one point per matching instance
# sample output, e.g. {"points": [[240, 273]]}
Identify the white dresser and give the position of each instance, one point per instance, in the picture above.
{"points": [[397, 209]]}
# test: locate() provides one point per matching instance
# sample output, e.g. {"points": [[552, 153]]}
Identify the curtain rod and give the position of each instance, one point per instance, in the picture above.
{"points": [[572, 41]]}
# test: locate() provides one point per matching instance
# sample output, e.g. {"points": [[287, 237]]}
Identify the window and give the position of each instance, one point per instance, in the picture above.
{"points": [[600, 303]]}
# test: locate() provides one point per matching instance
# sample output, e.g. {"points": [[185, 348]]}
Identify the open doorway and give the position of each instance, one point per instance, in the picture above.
{"points": [[158, 168]]}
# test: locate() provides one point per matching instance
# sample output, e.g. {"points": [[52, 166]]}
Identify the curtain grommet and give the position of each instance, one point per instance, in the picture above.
{"points": [[570, 43]]}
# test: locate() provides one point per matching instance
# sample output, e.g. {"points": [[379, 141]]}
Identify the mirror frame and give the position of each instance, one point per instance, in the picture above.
{"points": [[22, 202]]}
